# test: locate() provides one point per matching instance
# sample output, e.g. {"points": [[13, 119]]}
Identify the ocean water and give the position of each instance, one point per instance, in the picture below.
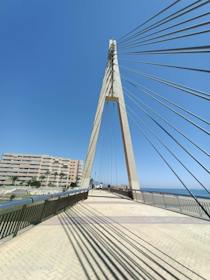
{"points": [[196, 192]]}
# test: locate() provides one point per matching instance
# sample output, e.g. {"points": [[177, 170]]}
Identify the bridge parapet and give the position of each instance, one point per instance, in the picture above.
{"points": [[17, 215], [174, 202]]}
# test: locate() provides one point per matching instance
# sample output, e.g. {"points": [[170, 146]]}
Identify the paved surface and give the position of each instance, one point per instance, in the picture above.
{"points": [[107, 237]]}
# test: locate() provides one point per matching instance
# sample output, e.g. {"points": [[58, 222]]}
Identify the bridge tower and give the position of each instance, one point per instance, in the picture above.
{"points": [[112, 90]]}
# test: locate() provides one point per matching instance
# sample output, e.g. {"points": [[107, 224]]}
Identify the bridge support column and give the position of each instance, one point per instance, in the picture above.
{"points": [[112, 91]]}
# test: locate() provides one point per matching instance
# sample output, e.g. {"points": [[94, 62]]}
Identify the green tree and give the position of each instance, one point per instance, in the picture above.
{"points": [[73, 185], [36, 184], [77, 180], [14, 179], [42, 177], [47, 172], [55, 176], [12, 196], [62, 176], [28, 183]]}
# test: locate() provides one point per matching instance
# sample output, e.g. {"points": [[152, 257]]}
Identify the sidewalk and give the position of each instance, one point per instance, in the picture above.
{"points": [[108, 237]]}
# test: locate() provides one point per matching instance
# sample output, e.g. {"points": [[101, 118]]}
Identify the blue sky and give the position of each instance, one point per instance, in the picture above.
{"points": [[52, 59]]}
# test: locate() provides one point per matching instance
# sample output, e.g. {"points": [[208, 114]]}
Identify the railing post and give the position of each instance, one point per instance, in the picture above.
{"points": [[200, 210], [153, 200], [143, 197], [180, 207], [19, 220], [134, 195], [56, 203], [164, 201], [42, 213]]}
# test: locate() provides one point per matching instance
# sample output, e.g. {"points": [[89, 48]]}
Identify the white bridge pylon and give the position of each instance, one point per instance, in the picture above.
{"points": [[112, 91]]}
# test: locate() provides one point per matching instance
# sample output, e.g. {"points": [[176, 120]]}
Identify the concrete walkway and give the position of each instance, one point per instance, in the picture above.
{"points": [[108, 237]]}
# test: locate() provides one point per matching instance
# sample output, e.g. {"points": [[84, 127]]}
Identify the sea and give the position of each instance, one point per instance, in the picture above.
{"points": [[196, 192]]}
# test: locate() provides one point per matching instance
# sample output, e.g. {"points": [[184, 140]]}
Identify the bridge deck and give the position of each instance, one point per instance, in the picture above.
{"points": [[108, 237]]}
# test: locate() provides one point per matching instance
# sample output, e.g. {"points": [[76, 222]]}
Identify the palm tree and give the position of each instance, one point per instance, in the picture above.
{"points": [[12, 196], [30, 182], [77, 180], [73, 185], [14, 179], [62, 175], [47, 173], [55, 175], [42, 177]]}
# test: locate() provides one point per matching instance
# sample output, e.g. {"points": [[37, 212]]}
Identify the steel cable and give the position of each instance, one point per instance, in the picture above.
{"points": [[170, 125], [142, 24], [100, 104], [174, 111], [181, 87], [171, 17], [167, 28], [175, 140], [161, 21], [168, 66], [175, 38], [183, 50], [174, 155], [170, 167], [139, 43], [146, 90]]}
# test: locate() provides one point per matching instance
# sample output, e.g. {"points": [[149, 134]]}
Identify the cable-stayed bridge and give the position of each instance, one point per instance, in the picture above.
{"points": [[157, 82]]}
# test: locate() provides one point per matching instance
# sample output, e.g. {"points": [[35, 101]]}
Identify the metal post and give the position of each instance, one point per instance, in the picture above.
{"points": [[19, 220]]}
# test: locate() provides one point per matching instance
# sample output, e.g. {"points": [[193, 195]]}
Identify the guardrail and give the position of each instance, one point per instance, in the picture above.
{"points": [[175, 202], [19, 214]]}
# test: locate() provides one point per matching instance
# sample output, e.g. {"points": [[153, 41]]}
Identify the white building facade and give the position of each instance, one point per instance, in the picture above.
{"points": [[19, 169]]}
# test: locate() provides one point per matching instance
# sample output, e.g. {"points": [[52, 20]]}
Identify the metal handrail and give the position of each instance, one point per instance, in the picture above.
{"points": [[181, 203], [156, 192], [40, 198], [19, 214], [169, 193]]}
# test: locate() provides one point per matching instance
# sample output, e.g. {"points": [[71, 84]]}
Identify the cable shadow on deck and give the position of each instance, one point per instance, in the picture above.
{"points": [[108, 250], [139, 243], [97, 253]]}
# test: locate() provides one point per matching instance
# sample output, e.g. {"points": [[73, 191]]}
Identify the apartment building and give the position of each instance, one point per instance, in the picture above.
{"points": [[49, 170]]}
